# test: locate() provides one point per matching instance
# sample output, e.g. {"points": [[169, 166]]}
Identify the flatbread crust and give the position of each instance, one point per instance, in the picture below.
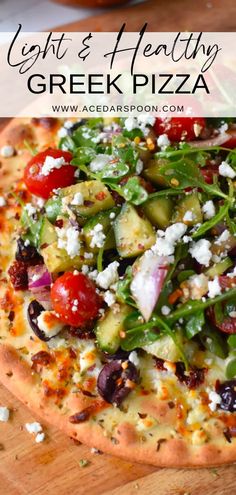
{"points": [[16, 373]]}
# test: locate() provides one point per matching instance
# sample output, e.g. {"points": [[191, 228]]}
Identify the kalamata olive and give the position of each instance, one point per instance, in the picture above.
{"points": [[27, 254], [193, 379], [33, 312], [116, 380], [227, 392], [75, 126], [120, 354]]}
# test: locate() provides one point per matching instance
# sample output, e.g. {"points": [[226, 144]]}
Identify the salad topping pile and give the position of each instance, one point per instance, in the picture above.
{"points": [[128, 237]]}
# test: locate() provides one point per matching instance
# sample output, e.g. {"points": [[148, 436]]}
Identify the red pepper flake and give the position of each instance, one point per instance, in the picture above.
{"points": [[101, 196], [19, 275]]}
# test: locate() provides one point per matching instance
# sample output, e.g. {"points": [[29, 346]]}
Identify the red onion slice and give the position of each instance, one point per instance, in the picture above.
{"points": [[146, 286], [214, 141], [39, 277]]}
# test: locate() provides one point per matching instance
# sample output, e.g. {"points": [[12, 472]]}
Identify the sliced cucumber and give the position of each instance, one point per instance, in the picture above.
{"points": [[105, 218], [57, 260], [95, 195], [109, 328], [159, 211], [133, 234], [189, 203], [164, 348], [53, 208], [47, 233], [152, 172]]}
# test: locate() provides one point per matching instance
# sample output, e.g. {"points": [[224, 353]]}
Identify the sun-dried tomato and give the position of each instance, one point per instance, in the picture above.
{"points": [[18, 275], [42, 358], [193, 379]]}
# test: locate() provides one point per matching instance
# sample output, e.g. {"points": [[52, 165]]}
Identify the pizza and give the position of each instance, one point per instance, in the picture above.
{"points": [[118, 282]]}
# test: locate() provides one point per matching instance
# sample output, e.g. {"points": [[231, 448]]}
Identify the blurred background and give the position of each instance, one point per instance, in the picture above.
{"points": [[40, 15]]}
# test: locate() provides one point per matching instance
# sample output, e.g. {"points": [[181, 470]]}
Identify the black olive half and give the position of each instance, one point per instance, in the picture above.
{"points": [[114, 381], [33, 312], [28, 254], [227, 392]]}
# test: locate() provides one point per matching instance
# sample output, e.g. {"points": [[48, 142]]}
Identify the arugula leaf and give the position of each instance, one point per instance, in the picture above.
{"points": [[67, 144], [135, 339], [231, 224], [192, 307], [134, 192], [83, 155], [214, 342], [114, 170], [184, 173], [86, 136], [213, 221], [123, 288], [194, 324]]}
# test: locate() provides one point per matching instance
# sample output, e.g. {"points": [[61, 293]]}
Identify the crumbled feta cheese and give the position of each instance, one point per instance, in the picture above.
{"points": [[223, 237], [85, 269], [109, 276], [197, 128], [197, 286], [31, 210], [33, 428], [232, 274], [68, 239], [139, 166], [133, 358], [163, 141], [165, 310], [141, 122], [209, 210], [4, 414], [40, 202], [188, 216], [7, 151], [98, 236], [112, 215], [131, 123], [49, 323], [223, 128], [200, 250], [62, 132], [214, 288], [78, 199], [99, 162], [2, 201], [187, 239], [196, 415], [165, 246], [175, 232], [109, 298], [226, 170], [51, 163], [68, 124], [232, 314], [40, 437], [88, 357], [215, 400]]}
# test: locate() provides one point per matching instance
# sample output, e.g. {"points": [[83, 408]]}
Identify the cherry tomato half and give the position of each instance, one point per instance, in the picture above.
{"points": [[179, 128], [74, 299], [42, 185], [228, 325]]}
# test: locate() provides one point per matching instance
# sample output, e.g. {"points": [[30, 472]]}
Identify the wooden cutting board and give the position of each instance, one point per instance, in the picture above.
{"points": [[53, 466]]}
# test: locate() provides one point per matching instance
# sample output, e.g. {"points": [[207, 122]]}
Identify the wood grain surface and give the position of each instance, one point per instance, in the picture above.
{"points": [[52, 468]]}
